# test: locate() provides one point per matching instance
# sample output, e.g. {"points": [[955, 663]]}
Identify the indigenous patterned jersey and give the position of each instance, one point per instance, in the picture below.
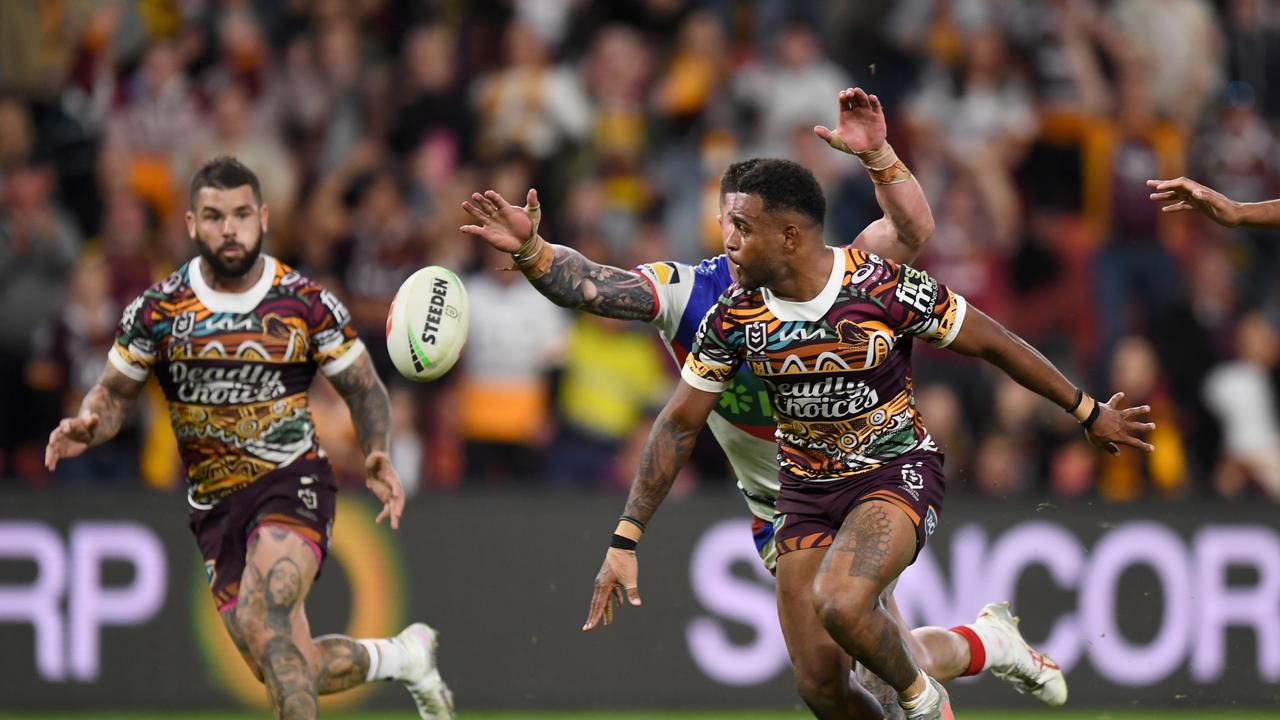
{"points": [[838, 367], [743, 421], [235, 368]]}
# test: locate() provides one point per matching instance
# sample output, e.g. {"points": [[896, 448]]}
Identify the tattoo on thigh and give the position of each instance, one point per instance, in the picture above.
{"points": [[283, 591], [870, 542]]}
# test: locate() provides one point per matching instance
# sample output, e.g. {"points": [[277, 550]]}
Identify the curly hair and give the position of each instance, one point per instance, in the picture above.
{"points": [[784, 185], [732, 174]]}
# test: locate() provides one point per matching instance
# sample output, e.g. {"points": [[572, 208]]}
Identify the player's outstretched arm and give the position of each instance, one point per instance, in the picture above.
{"points": [[1107, 425], [908, 222], [562, 274], [102, 413], [1182, 194], [370, 407], [670, 442]]}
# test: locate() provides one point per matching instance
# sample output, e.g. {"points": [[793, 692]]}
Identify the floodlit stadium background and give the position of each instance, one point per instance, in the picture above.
{"points": [[1031, 126]]}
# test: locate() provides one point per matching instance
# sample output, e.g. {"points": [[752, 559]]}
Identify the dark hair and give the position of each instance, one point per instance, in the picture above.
{"points": [[729, 180], [784, 185], [224, 173]]}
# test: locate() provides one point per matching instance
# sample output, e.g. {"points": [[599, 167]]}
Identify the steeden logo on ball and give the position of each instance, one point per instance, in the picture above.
{"points": [[427, 324]]}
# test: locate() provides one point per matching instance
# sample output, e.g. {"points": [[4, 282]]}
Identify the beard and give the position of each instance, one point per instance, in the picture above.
{"points": [[229, 268]]}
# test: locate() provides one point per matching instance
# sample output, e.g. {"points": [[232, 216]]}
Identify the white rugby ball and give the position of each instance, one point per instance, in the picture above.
{"points": [[427, 324]]}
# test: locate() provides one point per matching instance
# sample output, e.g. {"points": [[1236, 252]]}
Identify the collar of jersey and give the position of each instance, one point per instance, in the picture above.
{"points": [[810, 310], [241, 302]]}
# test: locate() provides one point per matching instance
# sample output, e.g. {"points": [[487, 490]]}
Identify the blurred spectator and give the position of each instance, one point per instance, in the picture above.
{"points": [[614, 375], [1180, 42], [382, 251], [1137, 275], [431, 103], [127, 247], [1237, 154], [407, 449], [1242, 394], [157, 118], [694, 73], [977, 121], [38, 247], [504, 406], [1253, 51], [67, 360], [16, 134], [943, 412], [529, 105], [967, 251], [1136, 371], [791, 87]]}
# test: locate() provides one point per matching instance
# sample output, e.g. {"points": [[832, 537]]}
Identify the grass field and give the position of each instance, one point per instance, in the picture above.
{"points": [[1206, 714]]}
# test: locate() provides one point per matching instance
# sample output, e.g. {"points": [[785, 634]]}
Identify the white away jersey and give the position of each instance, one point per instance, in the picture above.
{"points": [[743, 421]]}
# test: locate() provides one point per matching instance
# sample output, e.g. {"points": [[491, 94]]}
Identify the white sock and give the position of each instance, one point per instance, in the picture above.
{"points": [[996, 644], [926, 697], [386, 659]]}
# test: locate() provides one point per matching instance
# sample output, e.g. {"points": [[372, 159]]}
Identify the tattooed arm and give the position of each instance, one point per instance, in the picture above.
{"points": [[575, 282], [670, 442], [570, 280], [366, 398], [102, 413]]}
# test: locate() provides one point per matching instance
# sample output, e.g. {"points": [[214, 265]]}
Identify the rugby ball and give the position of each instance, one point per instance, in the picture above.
{"points": [[427, 324]]}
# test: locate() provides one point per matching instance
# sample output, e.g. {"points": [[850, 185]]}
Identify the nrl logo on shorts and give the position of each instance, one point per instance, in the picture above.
{"points": [[912, 481], [757, 339]]}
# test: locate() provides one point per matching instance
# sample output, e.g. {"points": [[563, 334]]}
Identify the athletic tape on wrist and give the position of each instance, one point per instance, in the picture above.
{"points": [[622, 543], [883, 165]]}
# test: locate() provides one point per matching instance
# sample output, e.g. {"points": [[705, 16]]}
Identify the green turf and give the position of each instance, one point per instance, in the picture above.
{"points": [[696, 715]]}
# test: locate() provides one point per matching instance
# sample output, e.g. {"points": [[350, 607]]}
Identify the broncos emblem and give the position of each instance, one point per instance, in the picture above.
{"points": [[870, 341]]}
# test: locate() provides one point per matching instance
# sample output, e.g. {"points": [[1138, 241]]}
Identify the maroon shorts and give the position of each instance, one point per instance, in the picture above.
{"points": [[304, 504], [810, 513]]}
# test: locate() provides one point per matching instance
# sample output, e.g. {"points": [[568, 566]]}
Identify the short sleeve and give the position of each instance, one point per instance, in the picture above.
{"points": [[672, 284], [715, 357], [335, 346], [921, 306], [134, 351]]}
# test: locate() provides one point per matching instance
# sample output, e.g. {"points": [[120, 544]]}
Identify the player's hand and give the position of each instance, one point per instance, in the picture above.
{"points": [[72, 437], [1181, 194], [382, 480], [617, 575], [860, 126], [504, 226], [1118, 426]]}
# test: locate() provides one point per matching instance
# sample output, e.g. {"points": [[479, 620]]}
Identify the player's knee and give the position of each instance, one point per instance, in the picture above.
{"points": [[820, 688], [238, 637], [252, 625], [843, 604]]}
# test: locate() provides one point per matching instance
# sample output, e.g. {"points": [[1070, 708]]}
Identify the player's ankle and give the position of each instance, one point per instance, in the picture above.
{"points": [[916, 693], [386, 659], [979, 659]]}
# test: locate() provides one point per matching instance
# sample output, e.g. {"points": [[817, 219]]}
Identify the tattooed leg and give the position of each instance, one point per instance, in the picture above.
{"points": [[344, 664], [821, 666], [237, 636], [278, 573], [874, 545]]}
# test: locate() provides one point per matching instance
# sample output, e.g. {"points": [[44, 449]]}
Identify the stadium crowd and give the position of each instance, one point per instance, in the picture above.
{"points": [[1031, 126]]}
